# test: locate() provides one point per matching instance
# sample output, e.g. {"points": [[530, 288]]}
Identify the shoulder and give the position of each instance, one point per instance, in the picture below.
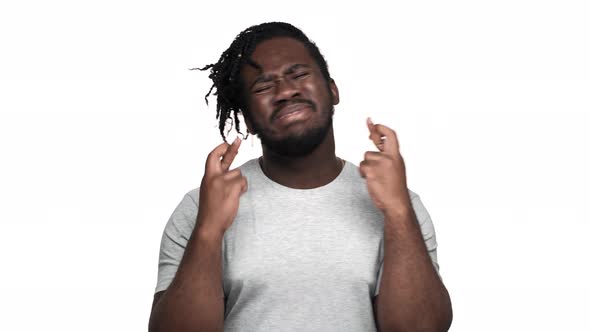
{"points": [[250, 168]]}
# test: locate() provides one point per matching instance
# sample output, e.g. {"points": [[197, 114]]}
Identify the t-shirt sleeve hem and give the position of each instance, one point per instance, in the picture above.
{"points": [[162, 286]]}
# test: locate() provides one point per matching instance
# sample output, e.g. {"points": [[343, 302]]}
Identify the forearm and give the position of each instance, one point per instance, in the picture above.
{"points": [[194, 300], [411, 297]]}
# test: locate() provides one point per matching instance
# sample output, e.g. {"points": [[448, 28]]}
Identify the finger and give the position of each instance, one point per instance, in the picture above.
{"points": [[388, 139], [374, 135], [370, 125], [213, 163], [230, 154], [244, 185], [365, 168], [373, 155], [233, 174], [238, 186]]}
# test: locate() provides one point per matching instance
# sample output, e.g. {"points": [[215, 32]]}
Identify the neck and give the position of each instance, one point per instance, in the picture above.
{"points": [[316, 169]]}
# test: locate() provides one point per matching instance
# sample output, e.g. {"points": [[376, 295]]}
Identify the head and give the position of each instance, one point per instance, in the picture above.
{"points": [[270, 71]]}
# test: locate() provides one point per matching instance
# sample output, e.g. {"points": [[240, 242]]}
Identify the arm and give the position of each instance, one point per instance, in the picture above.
{"points": [[411, 295], [194, 300]]}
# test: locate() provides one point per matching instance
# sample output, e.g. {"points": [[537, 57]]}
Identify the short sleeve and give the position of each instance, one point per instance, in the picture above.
{"points": [[175, 237], [427, 228]]}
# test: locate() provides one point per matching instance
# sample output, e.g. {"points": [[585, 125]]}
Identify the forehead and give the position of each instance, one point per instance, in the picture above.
{"points": [[277, 52]]}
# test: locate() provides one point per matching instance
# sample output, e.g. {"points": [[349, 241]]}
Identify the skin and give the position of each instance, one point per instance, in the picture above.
{"points": [[412, 297], [197, 283], [277, 86]]}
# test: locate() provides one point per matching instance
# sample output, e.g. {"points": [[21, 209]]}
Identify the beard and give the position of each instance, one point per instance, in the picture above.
{"points": [[297, 145]]}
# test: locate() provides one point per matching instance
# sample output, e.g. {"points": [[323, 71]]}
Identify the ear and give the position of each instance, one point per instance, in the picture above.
{"points": [[334, 92]]}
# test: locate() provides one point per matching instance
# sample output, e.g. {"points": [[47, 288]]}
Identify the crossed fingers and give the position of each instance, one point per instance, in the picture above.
{"points": [[220, 159], [384, 138]]}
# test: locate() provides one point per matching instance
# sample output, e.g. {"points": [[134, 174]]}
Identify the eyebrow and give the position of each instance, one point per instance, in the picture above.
{"points": [[263, 78]]}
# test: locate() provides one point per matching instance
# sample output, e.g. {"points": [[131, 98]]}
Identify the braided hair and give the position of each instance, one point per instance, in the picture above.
{"points": [[226, 77]]}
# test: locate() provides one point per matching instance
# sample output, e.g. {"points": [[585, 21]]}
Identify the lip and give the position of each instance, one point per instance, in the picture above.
{"points": [[291, 110]]}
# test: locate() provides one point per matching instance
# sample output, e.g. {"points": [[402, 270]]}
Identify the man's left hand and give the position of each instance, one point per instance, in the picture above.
{"points": [[385, 171]]}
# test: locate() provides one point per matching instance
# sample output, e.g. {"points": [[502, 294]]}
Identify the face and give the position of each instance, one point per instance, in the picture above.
{"points": [[289, 102]]}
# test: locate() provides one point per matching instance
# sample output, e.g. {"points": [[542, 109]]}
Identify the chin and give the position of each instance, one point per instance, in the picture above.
{"points": [[297, 145]]}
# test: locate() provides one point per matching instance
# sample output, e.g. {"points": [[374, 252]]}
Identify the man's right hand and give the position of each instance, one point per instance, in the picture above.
{"points": [[220, 190]]}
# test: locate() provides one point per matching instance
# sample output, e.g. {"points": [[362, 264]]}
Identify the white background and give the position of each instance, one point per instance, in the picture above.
{"points": [[103, 129]]}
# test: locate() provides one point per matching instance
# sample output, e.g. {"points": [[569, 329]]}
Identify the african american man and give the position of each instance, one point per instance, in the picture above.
{"points": [[298, 239]]}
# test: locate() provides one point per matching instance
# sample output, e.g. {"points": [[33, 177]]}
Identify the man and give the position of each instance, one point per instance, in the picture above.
{"points": [[298, 239]]}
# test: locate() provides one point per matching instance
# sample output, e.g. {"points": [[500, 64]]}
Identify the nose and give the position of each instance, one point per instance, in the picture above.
{"points": [[286, 89]]}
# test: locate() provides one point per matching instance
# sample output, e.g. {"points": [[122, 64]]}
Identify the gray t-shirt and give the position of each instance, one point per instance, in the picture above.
{"points": [[296, 259]]}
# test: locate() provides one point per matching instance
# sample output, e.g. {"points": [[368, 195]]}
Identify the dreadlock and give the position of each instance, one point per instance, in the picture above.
{"points": [[226, 77]]}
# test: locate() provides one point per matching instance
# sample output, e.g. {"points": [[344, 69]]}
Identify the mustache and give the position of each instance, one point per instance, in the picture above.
{"points": [[292, 102]]}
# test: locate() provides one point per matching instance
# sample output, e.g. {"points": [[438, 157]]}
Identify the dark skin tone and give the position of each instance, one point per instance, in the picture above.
{"points": [[289, 74], [287, 97], [412, 297]]}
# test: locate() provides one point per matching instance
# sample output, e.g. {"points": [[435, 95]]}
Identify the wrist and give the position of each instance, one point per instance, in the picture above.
{"points": [[207, 234], [402, 208], [399, 222]]}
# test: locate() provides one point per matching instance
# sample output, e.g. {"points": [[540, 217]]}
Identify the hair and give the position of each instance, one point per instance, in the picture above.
{"points": [[226, 73]]}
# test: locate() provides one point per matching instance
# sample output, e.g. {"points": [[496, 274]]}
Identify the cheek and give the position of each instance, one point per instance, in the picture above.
{"points": [[258, 109], [319, 92], [312, 87], [317, 84]]}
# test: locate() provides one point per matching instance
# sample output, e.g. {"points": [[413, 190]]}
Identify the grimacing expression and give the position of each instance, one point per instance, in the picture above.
{"points": [[289, 102]]}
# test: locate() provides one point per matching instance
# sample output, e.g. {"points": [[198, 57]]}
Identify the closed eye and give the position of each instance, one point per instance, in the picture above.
{"points": [[262, 88], [300, 75]]}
